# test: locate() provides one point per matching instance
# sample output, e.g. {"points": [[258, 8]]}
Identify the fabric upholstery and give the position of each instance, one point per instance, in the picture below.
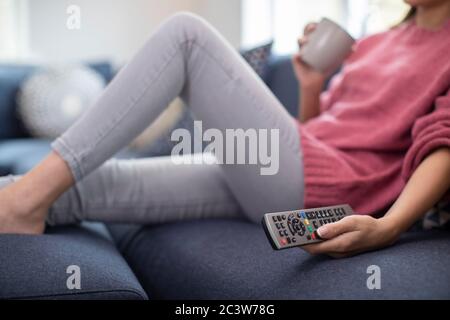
{"points": [[220, 259], [34, 267]]}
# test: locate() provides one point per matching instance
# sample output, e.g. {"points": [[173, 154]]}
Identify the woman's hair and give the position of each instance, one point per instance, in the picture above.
{"points": [[411, 13]]}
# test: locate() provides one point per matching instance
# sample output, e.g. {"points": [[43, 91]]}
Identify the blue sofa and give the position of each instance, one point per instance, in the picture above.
{"points": [[208, 259]]}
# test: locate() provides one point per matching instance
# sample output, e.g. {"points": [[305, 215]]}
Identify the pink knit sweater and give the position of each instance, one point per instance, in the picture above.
{"points": [[383, 114]]}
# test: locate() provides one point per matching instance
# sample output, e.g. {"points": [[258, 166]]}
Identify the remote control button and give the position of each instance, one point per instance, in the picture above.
{"points": [[282, 225], [283, 217], [316, 234], [288, 240], [294, 240], [277, 225], [321, 222], [315, 224], [306, 221], [308, 237], [283, 241], [333, 219], [310, 229], [296, 227], [274, 218], [281, 233], [310, 215], [313, 236]]}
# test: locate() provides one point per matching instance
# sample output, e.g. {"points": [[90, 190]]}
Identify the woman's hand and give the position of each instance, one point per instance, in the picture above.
{"points": [[308, 78], [353, 235]]}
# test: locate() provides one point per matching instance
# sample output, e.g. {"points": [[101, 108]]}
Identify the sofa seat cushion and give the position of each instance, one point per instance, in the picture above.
{"points": [[226, 259], [35, 267]]}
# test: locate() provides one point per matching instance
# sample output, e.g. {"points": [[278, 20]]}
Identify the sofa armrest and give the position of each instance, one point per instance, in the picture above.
{"points": [[36, 267]]}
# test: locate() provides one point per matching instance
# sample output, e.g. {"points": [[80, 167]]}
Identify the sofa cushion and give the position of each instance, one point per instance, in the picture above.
{"points": [[11, 78], [17, 156], [53, 98], [220, 259], [258, 58], [35, 267], [282, 81]]}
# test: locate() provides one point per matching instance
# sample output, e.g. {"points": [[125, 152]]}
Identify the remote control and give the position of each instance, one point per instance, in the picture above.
{"points": [[296, 228]]}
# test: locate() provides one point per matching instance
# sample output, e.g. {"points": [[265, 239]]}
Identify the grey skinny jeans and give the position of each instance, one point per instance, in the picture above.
{"points": [[185, 57]]}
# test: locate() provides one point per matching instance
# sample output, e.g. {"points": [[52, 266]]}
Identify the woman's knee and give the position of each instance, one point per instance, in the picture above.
{"points": [[188, 24]]}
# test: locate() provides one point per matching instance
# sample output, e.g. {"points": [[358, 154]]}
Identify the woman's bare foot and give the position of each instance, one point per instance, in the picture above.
{"points": [[18, 214], [24, 204]]}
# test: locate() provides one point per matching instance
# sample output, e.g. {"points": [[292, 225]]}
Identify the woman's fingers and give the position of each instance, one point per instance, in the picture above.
{"points": [[302, 41], [332, 230], [340, 236], [343, 244], [310, 27]]}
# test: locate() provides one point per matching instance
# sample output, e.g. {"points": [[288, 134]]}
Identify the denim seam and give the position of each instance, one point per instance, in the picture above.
{"points": [[77, 217], [62, 148], [158, 204]]}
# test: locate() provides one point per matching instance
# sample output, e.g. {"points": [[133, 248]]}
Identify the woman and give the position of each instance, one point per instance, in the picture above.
{"points": [[379, 135]]}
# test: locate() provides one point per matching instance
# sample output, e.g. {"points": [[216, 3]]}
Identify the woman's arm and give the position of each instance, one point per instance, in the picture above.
{"points": [[355, 234], [311, 82], [309, 102], [425, 188]]}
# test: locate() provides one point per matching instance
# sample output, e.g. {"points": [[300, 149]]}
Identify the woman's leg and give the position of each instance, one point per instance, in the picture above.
{"points": [[147, 191], [186, 57]]}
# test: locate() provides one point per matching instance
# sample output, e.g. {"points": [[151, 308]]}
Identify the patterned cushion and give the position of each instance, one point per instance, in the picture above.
{"points": [[258, 58], [438, 216], [53, 98]]}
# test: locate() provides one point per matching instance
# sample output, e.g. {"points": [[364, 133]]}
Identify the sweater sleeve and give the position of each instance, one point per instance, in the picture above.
{"points": [[429, 133], [328, 97]]}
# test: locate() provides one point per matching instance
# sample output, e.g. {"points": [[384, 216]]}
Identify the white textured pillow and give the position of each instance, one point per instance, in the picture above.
{"points": [[51, 100]]}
